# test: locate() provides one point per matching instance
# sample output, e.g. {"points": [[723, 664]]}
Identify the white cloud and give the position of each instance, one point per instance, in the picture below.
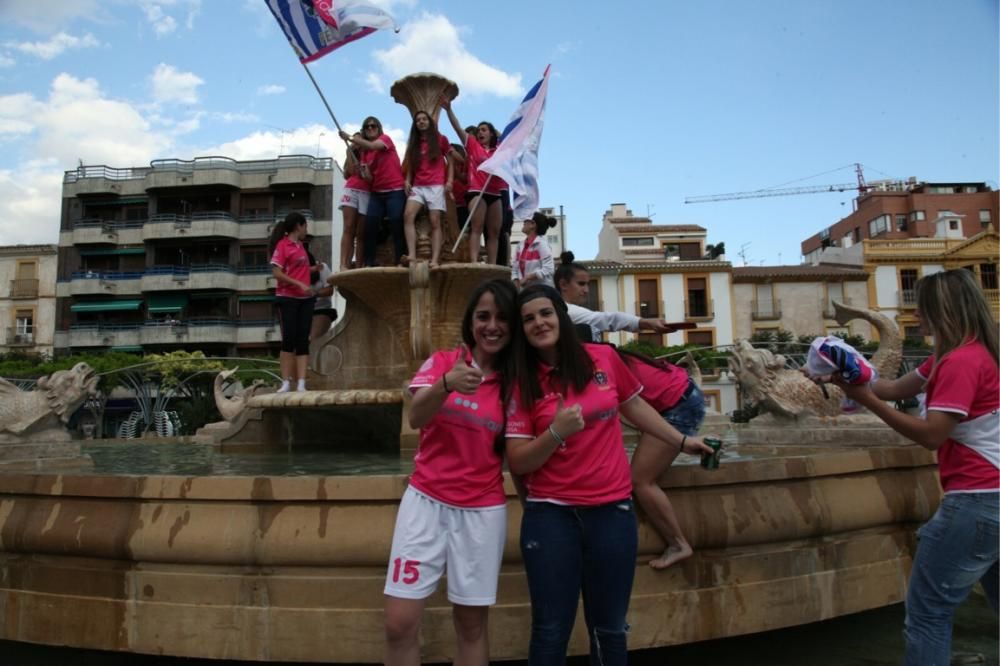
{"points": [[268, 144], [170, 85], [235, 117], [375, 84], [432, 44], [6, 61], [30, 200], [44, 16], [55, 45], [271, 89], [164, 23]]}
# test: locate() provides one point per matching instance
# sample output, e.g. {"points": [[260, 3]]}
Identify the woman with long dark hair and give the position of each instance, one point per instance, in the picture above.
{"points": [[578, 532], [961, 422], [380, 163], [453, 515], [353, 204], [294, 298], [429, 175]]}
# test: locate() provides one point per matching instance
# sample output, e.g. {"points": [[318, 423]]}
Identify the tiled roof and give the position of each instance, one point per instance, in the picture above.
{"points": [[629, 224], [701, 266], [752, 273]]}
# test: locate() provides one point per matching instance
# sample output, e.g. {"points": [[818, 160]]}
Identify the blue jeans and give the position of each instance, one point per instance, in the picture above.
{"points": [[381, 205], [569, 549], [686, 416], [956, 548]]}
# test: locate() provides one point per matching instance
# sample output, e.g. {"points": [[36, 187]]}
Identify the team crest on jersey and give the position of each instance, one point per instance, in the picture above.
{"points": [[600, 378], [428, 364]]}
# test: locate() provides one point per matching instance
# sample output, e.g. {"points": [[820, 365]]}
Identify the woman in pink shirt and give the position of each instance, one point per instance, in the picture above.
{"points": [[564, 438], [353, 204], [959, 545], [453, 515], [380, 166], [429, 176], [294, 298], [488, 212]]}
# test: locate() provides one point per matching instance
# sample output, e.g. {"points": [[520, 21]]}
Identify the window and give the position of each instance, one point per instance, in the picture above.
{"points": [[953, 225], [917, 216], [913, 333], [988, 276], [552, 239], [24, 325], [254, 255], [697, 298], [878, 226], [649, 301], [638, 242], [690, 251], [984, 217], [900, 223], [701, 338], [593, 296], [908, 286], [857, 234]]}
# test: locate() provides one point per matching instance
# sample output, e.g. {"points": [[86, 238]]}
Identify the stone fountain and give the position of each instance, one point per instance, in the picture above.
{"points": [[284, 565]]}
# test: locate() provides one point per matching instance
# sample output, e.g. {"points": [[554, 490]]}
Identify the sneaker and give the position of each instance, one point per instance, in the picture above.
{"points": [[285, 387], [301, 388]]}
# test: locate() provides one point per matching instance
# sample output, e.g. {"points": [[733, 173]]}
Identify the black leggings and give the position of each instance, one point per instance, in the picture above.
{"points": [[295, 315]]}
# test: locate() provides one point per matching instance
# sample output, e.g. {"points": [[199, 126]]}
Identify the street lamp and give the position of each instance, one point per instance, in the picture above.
{"points": [[321, 135]]}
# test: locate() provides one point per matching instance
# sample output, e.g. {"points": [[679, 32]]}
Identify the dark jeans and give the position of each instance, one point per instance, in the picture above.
{"points": [[569, 549], [381, 205], [295, 316]]}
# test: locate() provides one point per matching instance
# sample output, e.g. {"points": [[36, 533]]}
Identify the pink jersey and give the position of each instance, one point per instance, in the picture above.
{"points": [[475, 155], [387, 174], [432, 172], [662, 387], [456, 462], [356, 182], [591, 468], [966, 382], [292, 259]]}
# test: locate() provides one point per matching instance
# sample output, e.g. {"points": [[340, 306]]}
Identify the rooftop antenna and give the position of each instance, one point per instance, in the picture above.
{"points": [[283, 131], [649, 208], [743, 252]]}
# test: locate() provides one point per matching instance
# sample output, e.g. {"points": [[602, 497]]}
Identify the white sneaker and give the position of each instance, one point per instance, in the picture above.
{"points": [[301, 388], [285, 387]]}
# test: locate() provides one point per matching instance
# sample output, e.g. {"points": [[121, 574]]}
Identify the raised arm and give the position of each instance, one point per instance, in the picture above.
{"points": [[457, 126], [361, 142]]}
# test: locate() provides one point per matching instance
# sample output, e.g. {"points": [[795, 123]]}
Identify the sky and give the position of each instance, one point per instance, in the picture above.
{"points": [[649, 102]]}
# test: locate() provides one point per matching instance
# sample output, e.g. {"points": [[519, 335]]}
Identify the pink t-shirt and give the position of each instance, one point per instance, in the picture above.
{"points": [[662, 387], [475, 155], [387, 174], [966, 382], [432, 172], [456, 462], [358, 183], [292, 259], [591, 468]]}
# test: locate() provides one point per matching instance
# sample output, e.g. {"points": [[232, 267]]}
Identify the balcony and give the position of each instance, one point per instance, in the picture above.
{"points": [[94, 230], [104, 335], [829, 312], [21, 337], [259, 226], [194, 330], [24, 288], [255, 278], [765, 310], [213, 223], [186, 278], [907, 298], [256, 331], [106, 282], [699, 309], [199, 171]]}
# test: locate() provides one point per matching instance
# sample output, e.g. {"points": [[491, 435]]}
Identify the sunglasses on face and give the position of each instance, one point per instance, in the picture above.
{"points": [[371, 126]]}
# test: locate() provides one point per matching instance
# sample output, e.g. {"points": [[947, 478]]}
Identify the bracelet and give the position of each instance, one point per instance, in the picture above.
{"points": [[556, 436], [684, 438], [444, 383]]}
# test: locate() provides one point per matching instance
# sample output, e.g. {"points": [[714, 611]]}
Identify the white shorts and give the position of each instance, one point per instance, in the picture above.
{"points": [[431, 537], [356, 199], [431, 196]]}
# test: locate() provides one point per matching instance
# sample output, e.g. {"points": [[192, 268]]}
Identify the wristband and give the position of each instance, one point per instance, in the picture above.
{"points": [[556, 436], [444, 383], [684, 438]]}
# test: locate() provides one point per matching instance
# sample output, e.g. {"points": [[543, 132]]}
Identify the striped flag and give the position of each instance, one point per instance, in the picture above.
{"points": [[516, 158], [317, 27]]}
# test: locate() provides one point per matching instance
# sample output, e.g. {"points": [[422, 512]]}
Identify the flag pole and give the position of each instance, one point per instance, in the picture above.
{"points": [[321, 96], [475, 204]]}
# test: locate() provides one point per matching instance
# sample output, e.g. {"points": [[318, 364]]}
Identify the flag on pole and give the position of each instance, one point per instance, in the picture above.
{"points": [[307, 24], [516, 156]]}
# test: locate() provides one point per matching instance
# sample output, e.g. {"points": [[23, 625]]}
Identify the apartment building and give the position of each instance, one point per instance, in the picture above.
{"points": [[27, 299], [556, 236], [910, 209], [174, 255]]}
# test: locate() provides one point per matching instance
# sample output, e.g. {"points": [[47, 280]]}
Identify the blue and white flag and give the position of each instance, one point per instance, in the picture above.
{"points": [[516, 157], [312, 34]]}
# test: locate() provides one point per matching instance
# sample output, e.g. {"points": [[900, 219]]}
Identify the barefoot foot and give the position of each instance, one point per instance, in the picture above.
{"points": [[672, 555]]}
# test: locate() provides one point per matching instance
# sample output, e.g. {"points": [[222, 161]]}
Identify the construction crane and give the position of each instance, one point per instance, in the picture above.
{"points": [[860, 186]]}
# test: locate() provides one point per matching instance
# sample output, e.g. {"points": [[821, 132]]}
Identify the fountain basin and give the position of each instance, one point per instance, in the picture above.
{"points": [[291, 567]]}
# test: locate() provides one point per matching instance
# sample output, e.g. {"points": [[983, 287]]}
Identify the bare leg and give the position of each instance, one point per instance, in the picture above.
{"points": [[402, 631], [652, 457], [436, 237], [359, 241], [476, 229], [347, 240], [471, 626], [320, 325], [410, 230], [494, 222]]}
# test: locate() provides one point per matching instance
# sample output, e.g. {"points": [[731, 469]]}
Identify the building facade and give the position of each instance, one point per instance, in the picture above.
{"points": [[27, 299], [798, 299], [174, 255], [909, 210]]}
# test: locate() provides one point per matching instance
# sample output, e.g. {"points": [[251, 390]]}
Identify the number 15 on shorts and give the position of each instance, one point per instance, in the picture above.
{"points": [[407, 568]]}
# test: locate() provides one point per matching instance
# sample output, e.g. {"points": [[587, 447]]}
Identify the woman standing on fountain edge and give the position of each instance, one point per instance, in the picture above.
{"points": [[429, 174], [959, 545], [294, 298], [563, 434], [453, 515]]}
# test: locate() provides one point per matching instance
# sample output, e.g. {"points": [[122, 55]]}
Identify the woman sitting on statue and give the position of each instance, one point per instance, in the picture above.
{"points": [[453, 515]]}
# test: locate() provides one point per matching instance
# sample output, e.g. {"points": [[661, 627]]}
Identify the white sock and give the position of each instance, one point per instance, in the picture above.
{"points": [[285, 386], [301, 386]]}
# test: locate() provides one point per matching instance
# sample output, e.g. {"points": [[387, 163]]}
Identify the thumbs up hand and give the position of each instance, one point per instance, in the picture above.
{"points": [[463, 377], [568, 420]]}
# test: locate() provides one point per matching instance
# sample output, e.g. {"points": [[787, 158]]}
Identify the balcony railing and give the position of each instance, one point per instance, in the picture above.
{"points": [[908, 298], [829, 312], [24, 288], [649, 309], [271, 218], [20, 337], [763, 310], [699, 309]]}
